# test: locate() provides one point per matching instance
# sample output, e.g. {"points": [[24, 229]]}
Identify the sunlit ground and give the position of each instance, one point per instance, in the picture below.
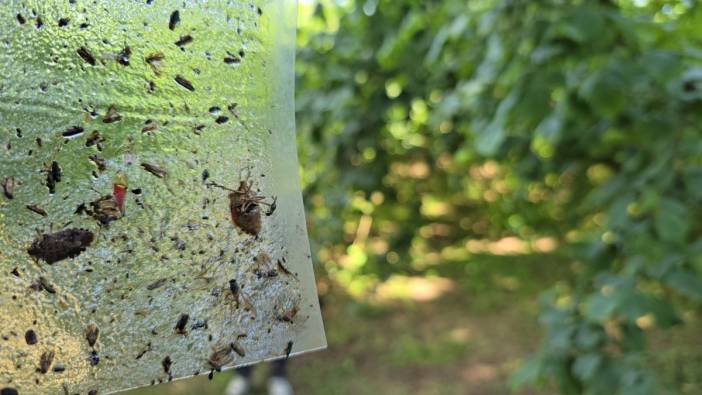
{"points": [[432, 335]]}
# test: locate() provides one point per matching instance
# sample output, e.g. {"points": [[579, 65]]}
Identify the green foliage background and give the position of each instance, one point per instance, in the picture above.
{"points": [[426, 124]]}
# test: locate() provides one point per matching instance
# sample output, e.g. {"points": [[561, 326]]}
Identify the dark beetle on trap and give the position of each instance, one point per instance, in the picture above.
{"points": [[58, 246]]}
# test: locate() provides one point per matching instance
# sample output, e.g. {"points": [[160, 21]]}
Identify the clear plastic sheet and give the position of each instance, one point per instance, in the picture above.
{"points": [[151, 220]]}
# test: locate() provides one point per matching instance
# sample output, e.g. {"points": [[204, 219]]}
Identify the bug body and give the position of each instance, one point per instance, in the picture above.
{"points": [[42, 284], [8, 187], [180, 325], [220, 357], [112, 115], [106, 209], [45, 361], [289, 315], [36, 209], [58, 246], [53, 176], [223, 355], [288, 349], [166, 363], [245, 207], [234, 288], [153, 169], [30, 337], [92, 332]]}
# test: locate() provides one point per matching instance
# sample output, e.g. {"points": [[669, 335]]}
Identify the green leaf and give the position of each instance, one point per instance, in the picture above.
{"points": [[586, 365], [489, 140], [589, 336], [582, 25], [528, 373], [637, 304], [665, 265], [617, 215], [638, 382], [599, 307], [663, 66], [550, 128], [672, 221], [605, 91], [687, 283], [693, 181]]}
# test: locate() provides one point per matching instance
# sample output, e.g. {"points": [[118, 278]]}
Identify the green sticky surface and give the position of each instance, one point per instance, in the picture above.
{"points": [[123, 96]]}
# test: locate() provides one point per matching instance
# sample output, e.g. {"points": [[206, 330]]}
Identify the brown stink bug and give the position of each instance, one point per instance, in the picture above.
{"points": [[245, 207], [58, 246]]}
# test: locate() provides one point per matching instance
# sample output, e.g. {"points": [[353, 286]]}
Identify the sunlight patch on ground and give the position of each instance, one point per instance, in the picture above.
{"points": [[511, 246], [461, 334], [508, 283], [418, 289], [480, 373]]}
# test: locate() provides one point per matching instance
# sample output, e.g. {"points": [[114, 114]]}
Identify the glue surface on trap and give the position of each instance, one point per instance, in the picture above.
{"points": [[151, 221]]}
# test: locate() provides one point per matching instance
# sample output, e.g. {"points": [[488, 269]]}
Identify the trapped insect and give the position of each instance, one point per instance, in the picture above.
{"points": [[109, 208], [8, 187], [289, 315], [288, 349], [112, 115], [36, 209], [184, 83], [58, 246], [245, 206], [153, 169], [166, 363], [181, 324], [53, 176], [92, 332], [42, 284], [105, 210], [30, 337], [45, 361], [85, 54], [222, 355], [234, 288]]}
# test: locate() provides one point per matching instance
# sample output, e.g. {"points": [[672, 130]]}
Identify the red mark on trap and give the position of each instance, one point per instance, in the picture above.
{"points": [[119, 191]]}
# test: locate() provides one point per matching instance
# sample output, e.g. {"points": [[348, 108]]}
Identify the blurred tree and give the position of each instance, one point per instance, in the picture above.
{"points": [[427, 123]]}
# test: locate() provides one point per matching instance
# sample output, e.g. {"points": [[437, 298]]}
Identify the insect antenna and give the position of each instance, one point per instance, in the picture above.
{"points": [[214, 184]]}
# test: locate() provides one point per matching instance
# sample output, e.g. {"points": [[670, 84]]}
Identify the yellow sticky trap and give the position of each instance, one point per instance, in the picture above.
{"points": [[201, 261]]}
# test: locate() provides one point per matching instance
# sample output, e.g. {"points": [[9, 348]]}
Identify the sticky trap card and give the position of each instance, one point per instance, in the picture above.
{"points": [[151, 220]]}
